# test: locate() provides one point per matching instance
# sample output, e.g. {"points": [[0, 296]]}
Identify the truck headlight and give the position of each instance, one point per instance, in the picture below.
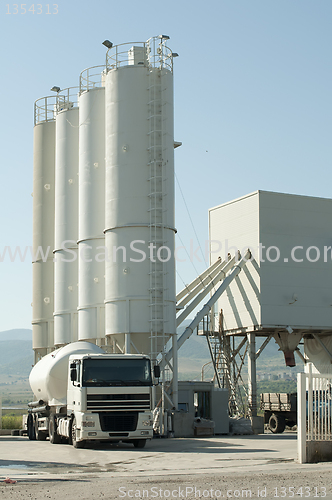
{"points": [[88, 424]]}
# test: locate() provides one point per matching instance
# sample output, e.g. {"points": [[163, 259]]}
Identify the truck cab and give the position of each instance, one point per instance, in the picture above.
{"points": [[83, 394], [109, 398]]}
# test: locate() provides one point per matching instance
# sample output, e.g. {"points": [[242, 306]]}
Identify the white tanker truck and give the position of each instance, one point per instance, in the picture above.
{"points": [[83, 394]]}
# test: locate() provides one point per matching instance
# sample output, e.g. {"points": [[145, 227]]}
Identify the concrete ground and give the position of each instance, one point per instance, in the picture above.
{"points": [[219, 467]]}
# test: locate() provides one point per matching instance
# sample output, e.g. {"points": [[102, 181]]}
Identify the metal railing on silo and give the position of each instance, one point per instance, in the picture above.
{"points": [[46, 108], [91, 78], [154, 54]]}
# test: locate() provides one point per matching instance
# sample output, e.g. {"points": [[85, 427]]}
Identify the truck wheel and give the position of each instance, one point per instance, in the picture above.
{"points": [[70, 438], [277, 423], [52, 431], [75, 443], [31, 428], [139, 443]]}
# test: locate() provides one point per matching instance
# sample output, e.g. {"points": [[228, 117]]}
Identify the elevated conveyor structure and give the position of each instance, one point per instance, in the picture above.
{"points": [[219, 276], [229, 356], [284, 292]]}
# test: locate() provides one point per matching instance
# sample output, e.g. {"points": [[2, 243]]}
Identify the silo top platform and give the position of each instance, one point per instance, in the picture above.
{"points": [[288, 283]]}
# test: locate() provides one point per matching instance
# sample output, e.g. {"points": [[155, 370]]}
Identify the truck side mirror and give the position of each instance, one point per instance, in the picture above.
{"points": [[73, 374], [156, 371]]}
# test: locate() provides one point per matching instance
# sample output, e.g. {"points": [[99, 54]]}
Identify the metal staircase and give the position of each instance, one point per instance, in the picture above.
{"points": [[227, 371]]}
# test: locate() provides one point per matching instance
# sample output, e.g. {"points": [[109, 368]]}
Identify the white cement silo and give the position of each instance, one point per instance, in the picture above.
{"points": [[43, 226], [91, 315], [139, 296], [66, 219]]}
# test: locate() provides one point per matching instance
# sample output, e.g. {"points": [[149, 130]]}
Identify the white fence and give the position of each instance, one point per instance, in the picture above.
{"points": [[314, 416]]}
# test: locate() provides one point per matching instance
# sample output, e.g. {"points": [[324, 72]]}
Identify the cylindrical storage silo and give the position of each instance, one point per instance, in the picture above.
{"points": [[66, 224], [43, 227], [91, 316], [139, 288]]}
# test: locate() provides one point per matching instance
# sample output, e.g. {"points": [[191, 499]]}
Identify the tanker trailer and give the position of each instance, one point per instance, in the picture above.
{"points": [[83, 394]]}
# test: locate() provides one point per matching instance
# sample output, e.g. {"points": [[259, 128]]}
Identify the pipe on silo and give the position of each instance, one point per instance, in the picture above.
{"points": [[66, 227]]}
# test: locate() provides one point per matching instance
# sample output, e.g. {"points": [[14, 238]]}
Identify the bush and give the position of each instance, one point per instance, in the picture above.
{"points": [[276, 386], [12, 422]]}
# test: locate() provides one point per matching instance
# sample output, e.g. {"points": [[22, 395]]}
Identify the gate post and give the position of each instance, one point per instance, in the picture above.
{"points": [[301, 418]]}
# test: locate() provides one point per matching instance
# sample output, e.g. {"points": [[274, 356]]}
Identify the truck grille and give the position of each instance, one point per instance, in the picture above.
{"points": [[118, 402], [118, 422]]}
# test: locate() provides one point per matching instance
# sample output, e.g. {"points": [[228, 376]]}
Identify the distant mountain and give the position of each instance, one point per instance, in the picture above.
{"points": [[195, 353], [16, 334], [16, 354], [16, 357]]}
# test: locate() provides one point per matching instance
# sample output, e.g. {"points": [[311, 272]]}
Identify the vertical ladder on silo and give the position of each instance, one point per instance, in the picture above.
{"points": [[157, 207], [157, 212]]}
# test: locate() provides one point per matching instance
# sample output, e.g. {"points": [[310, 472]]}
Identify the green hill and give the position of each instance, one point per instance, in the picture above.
{"points": [[16, 334], [195, 353], [16, 359]]}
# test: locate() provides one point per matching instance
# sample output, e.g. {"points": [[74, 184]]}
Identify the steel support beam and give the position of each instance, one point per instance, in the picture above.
{"points": [[198, 280], [213, 283], [208, 306]]}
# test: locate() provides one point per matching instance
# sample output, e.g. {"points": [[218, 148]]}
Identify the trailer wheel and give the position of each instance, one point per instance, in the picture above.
{"points": [[31, 428], [75, 443], [277, 423], [139, 443], [39, 435], [52, 431]]}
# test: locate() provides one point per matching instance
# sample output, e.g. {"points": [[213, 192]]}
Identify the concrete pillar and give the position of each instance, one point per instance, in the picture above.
{"points": [[252, 386]]}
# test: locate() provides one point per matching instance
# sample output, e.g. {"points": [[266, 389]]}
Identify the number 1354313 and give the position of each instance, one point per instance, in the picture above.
{"points": [[35, 8]]}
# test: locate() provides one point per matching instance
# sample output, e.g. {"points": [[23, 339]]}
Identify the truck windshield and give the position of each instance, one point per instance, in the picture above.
{"points": [[116, 372]]}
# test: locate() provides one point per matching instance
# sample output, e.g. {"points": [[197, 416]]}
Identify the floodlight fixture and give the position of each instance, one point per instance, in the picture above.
{"points": [[175, 54], [107, 44], [163, 37], [55, 89]]}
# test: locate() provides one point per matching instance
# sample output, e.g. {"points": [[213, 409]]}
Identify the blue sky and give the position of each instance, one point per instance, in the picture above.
{"points": [[252, 104]]}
